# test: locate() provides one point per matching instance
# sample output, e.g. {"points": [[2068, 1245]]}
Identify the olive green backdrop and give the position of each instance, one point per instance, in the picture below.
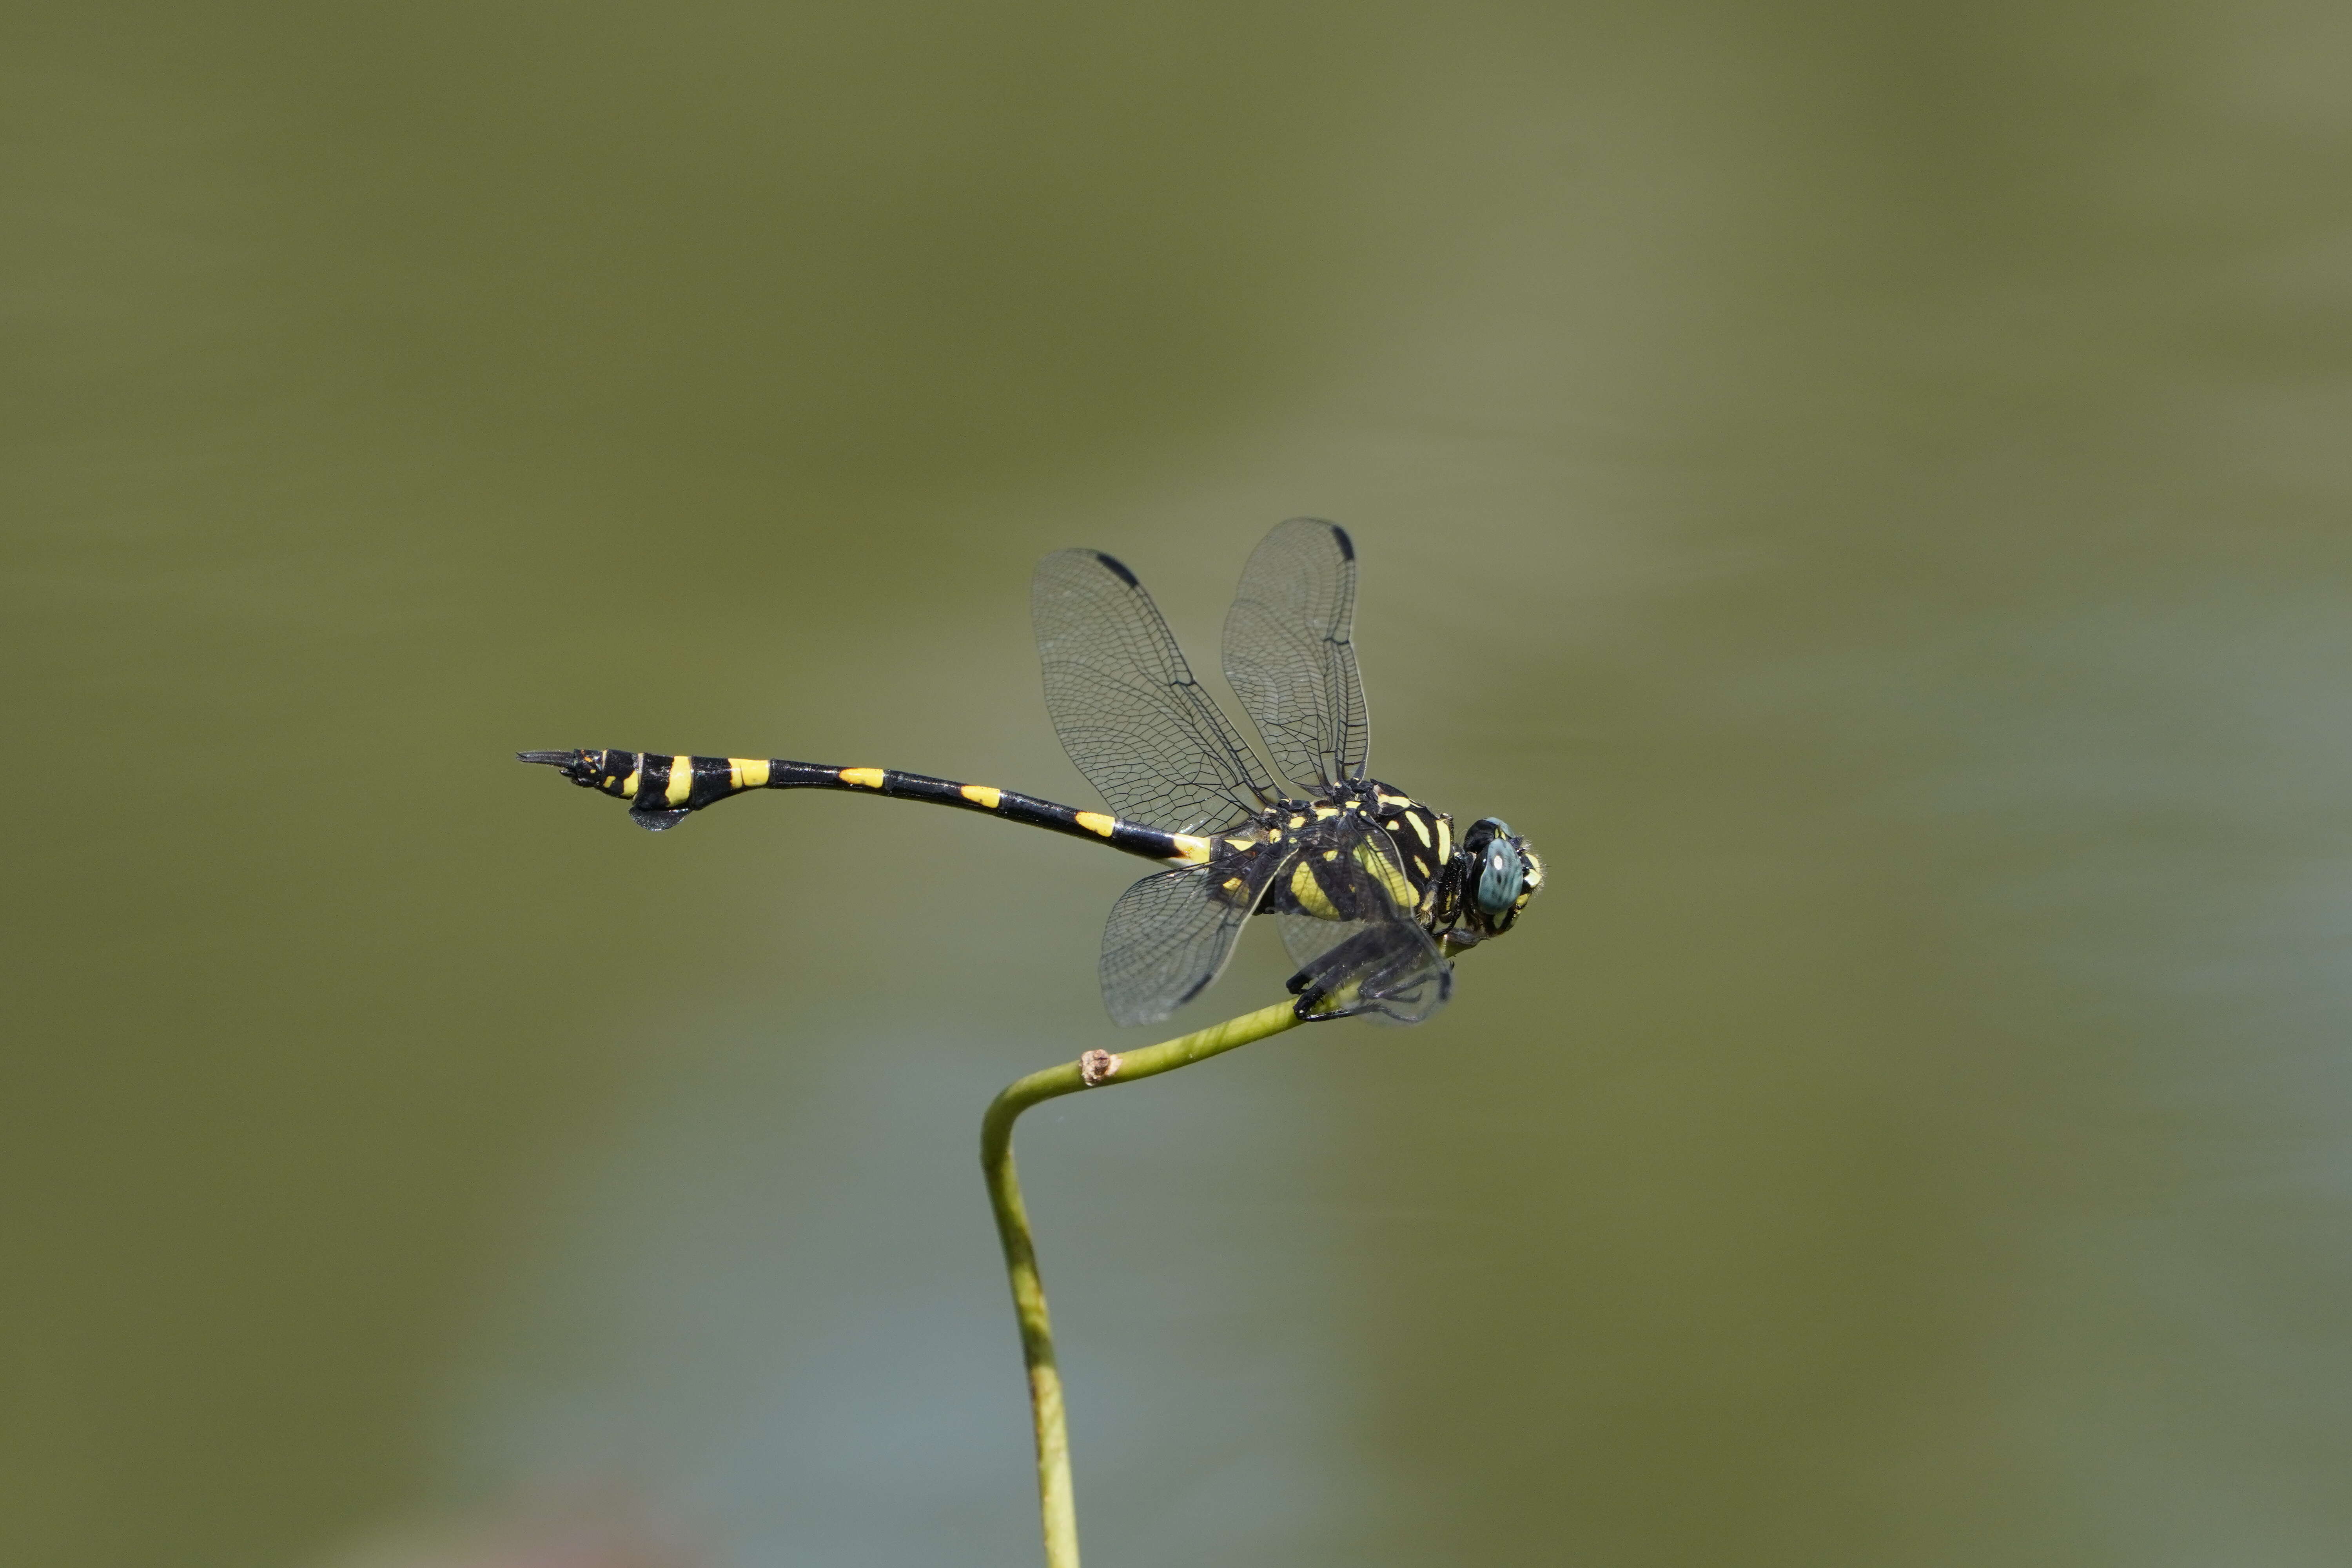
{"points": [[1864, 488]]}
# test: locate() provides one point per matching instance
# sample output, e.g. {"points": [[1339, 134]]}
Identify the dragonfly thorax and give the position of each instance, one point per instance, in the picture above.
{"points": [[1359, 825], [1462, 891]]}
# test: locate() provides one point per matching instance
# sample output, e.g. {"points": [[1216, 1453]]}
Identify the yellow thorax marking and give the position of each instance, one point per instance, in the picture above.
{"points": [[1298, 822], [1387, 875], [1096, 822], [1241, 842], [1191, 851], [1395, 800], [1330, 854], [1420, 828], [748, 773], [865, 778], [983, 795], [1329, 811], [681, 780], [1310, 894], [1445, 839]]}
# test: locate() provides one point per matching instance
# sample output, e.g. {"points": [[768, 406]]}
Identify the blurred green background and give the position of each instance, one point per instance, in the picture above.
{"points": [[1864, 488]]}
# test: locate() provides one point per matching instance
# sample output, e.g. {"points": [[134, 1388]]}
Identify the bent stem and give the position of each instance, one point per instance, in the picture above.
{"points": [[1096, 1070]]}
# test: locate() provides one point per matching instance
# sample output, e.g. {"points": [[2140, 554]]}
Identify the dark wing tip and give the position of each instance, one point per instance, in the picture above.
{"points": [[1118, 567], [549, 759], [1347, 545]]}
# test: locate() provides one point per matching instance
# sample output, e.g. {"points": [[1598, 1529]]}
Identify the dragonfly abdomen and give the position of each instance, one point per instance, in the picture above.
{"points": [[663, 790]]}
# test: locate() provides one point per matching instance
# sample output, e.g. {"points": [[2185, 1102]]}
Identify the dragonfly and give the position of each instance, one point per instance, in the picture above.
{"points": [[1372, 892]]}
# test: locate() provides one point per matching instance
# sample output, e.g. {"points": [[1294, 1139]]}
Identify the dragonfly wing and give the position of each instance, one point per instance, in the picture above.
{"points": [[1125, 705], [1388, 970], [1356, 944], [1290, 657], [1170, 935]]}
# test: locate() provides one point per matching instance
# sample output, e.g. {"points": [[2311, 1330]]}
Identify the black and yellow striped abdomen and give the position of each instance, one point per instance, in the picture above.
{"points": [[662, 790]]}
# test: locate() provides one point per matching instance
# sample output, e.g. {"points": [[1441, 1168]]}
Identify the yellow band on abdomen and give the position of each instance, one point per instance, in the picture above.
{"points": [[865, 778]]}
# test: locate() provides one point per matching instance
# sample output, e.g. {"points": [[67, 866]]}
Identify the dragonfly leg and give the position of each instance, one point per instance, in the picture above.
{"points": [[1371, 971]]}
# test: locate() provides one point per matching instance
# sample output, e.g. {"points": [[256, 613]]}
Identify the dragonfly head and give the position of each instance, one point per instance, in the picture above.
{"points": [[1499, 874]]}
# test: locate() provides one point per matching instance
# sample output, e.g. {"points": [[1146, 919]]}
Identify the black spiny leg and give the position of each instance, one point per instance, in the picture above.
{"points": [[1392, 968]]}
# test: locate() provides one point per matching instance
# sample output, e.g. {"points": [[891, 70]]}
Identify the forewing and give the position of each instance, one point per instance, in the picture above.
{"points": [[1125, 705], [1290, 657], [1170, 935]]}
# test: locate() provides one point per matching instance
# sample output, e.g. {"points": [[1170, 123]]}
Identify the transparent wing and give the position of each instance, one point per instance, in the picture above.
{"points": [[1390, 970], [1366, 954], [1289, 656], [1169, 936], [1126, 706]]}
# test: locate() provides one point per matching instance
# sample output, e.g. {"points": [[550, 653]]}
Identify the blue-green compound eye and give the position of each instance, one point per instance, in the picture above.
{"points": [[1499, 872]]}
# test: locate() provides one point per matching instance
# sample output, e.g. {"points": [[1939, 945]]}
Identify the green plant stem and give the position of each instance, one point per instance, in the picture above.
{"points": [[1096, 1070]]}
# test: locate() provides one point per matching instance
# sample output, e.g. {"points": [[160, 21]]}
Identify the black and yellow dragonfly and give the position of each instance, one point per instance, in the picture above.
{"points": [[1372, 890]]}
